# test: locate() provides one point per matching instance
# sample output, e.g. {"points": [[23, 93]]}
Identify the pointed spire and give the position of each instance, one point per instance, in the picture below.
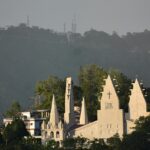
{"points": [[54, 117], [137, 90], [137, 103], [109, 99], [83, 115]]}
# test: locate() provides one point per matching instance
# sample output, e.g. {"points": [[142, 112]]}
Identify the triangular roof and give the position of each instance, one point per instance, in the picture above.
{"points": [[83, 115], [109, 99], [136, 91], [54, 117], [137, 102]]}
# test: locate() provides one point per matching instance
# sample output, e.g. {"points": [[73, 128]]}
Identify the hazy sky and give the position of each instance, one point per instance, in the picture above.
{"points": [[106, 15]]}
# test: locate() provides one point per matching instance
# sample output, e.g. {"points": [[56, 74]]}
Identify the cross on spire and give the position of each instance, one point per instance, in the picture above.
{"points": [[109, 94]]}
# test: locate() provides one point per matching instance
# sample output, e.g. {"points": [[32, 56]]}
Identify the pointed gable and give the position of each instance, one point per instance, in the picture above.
{"points": [[54, 117], [83, 115], [109, 99], [137, 103]]}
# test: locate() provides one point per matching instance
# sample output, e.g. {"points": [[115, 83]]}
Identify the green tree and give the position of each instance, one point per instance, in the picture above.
{"points": [[81, 143], [52, 145], [46, 88], [14, 110], [143, 125], [1, 139], [31, 143], [98, 144], [114, 142], [77, 92], [69, 143], [139, 138], [135, 140], [15, 131], [91, 81], [122, 85]]}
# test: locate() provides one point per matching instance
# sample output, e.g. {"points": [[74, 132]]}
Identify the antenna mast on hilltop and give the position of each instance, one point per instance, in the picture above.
{"points": [[64, 27], [28, 21], [74, 25]]}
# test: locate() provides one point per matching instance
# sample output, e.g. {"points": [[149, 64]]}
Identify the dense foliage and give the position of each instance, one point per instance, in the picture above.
{"points": [[47, 88], [91, 81], [14, 110], [139, 139], [14, 131]]}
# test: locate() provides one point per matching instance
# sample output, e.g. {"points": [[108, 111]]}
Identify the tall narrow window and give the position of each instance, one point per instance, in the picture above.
{"points": [[57, 134]]}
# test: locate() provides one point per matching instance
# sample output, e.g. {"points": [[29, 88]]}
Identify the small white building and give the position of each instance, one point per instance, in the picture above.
{"points": [[32, 119], [33, 124]]}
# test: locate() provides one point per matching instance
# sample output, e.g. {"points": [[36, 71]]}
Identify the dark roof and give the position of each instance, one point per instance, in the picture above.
{"points": [[75, 126]]}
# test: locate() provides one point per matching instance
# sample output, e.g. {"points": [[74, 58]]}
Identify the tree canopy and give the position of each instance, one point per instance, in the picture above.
{"points": [[14, 110], [91, 81], [46, 88], [15, 131], [139, 138]]}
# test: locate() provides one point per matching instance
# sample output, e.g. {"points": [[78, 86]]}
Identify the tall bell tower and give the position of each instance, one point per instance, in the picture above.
{"points": [[69, 104]]}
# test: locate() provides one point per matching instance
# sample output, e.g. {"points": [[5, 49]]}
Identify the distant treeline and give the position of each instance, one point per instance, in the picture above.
{"points": [[29, 54]]}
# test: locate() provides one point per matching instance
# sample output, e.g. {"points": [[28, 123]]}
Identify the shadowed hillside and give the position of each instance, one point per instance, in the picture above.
{"points": [[31, 54]]}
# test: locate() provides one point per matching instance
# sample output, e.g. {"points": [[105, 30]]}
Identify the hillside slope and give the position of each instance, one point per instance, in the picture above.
{"points": [[31, 54]]}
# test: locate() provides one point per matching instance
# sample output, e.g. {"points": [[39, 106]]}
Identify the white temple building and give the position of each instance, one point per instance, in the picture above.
{"points": [[111, 119]]}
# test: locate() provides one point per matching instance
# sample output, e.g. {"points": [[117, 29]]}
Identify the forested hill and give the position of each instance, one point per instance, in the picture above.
{"points": [[29, 54]]}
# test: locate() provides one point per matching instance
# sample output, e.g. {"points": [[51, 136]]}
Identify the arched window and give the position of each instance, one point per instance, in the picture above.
{"points": [[57, 134], [52, 134]]}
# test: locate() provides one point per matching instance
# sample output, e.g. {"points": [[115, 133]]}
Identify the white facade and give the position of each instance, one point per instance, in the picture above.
{"points": [[109, 118]]}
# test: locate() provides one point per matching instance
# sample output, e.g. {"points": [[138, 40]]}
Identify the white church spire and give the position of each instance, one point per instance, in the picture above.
{"points": [[83, 115], [54, 117], [109, 99], [137, 103]]}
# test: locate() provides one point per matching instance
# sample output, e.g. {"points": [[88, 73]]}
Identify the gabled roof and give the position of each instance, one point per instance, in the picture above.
{"points": [[109, 95]]}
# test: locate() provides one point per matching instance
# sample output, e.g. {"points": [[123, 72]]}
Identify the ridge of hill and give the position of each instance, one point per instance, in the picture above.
{"points": [[29, 54]]}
